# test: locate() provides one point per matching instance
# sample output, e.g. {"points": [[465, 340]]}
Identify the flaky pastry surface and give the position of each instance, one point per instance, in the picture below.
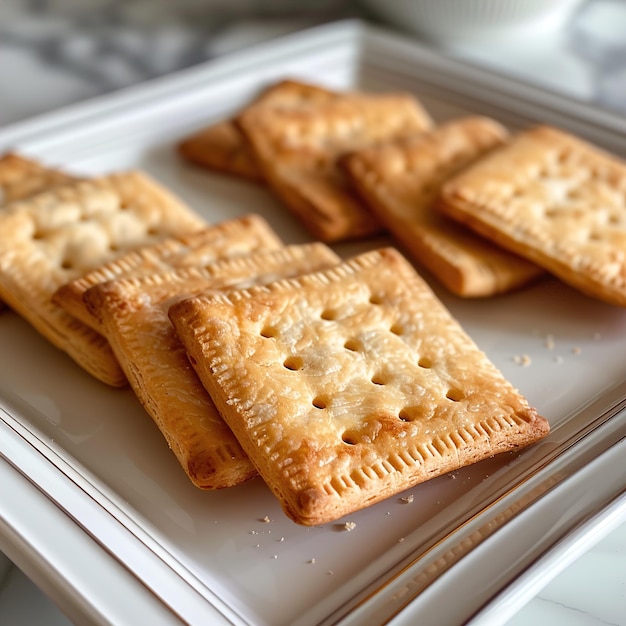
{"points": [[554, 199], [222, 146], [349, 385], [230, 238], [298, 151], [401, 180], [60, 234], [133, 312], [22, 177]]}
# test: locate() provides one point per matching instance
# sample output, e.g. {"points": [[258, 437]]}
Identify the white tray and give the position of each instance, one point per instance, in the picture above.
{"points": [[207, 557]]}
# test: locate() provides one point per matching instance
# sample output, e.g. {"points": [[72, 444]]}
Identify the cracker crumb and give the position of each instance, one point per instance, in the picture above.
{"points": [[330, 572], [266, 519], [575, 350], [349, 526], [253, 532], [281, 539], [401, 540], [312, 561], [407, 499], [524, 360]]}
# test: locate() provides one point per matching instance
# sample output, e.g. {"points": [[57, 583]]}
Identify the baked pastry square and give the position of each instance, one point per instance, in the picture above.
{"points": [[134, 318], [554, 199], [400, 181], [60, 234], [223, 148], [241, 235], [21, 177], [298, 151], [350, 385]]}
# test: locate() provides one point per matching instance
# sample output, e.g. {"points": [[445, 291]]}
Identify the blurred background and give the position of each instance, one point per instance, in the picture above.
{"points": [[55, 52]]}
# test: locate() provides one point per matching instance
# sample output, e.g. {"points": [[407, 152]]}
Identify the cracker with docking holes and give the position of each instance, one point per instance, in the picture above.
{"points": [[230, 238], [298, 151], [400, 181], [223, 148], [63, 233], [554, 199], [350, 385], [21, 177], [133, 313]]}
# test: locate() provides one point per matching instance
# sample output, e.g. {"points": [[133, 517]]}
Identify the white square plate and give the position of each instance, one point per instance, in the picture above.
{"points": [[209, 556]]}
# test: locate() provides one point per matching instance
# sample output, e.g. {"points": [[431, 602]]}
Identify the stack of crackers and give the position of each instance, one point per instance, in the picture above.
{"points": [[482, 210], [339, 381]]}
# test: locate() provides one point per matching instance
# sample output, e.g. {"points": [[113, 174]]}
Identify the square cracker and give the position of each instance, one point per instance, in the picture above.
{"points": [[350, 385], [222, 146], [60, 234], [134, 318], [237, 236], [21, 177], [299, 150], [554, 199], [400, 181]]}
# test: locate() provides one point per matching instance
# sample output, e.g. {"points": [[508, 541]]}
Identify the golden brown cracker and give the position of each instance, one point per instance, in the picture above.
{"points": [[22, 177], [223, 148], [60, 234], [555, 199], [350, 385], [133, 312], [299, 150], [242, 235], [401, 180]]}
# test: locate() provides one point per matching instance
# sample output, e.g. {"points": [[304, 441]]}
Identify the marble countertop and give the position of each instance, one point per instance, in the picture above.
{"points": [[58, 52]]}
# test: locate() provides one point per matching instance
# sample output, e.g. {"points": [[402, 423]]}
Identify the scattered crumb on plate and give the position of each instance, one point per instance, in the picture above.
{"points": [[524, 360]]}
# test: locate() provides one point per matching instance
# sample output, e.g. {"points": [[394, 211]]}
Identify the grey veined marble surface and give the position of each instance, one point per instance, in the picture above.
{"points": [[53, 52]]}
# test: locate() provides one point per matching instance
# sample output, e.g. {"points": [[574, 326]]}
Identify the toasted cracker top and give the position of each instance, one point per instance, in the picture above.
{"points": [[401, 182], [74, 228], [299, 149], [222, 146], [555, 199], [348, 385], [238, 236]]}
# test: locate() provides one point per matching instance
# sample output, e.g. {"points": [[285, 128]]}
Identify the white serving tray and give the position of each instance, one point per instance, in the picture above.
{"points": [[208, 557]]}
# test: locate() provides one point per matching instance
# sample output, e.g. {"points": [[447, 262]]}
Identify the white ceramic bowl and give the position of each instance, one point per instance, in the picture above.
{"points": [[450, 21]]}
